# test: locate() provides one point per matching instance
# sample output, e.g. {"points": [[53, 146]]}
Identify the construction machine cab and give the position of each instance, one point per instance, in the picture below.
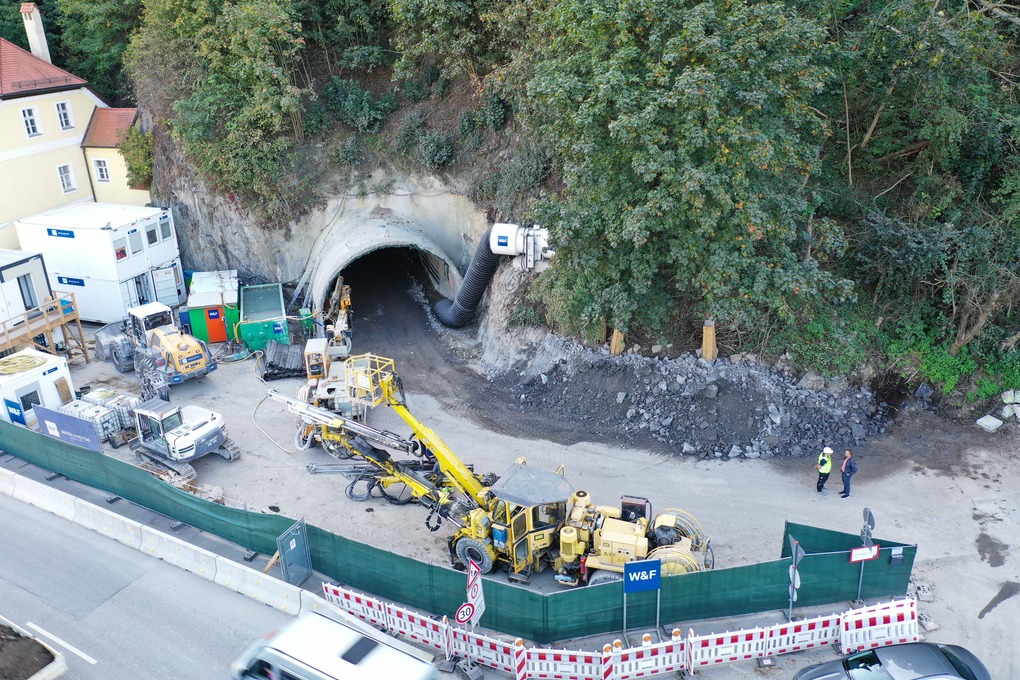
{"points": [[148, 317]]}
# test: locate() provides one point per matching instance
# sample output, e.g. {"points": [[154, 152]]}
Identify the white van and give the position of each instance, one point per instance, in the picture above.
{"points": [[316, 647]]}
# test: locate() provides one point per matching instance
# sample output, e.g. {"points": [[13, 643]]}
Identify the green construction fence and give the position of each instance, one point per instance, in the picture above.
{"points": [[827, 576]]}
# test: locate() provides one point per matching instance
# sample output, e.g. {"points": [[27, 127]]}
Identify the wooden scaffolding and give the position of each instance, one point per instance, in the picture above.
{"points": [[60, 311]]}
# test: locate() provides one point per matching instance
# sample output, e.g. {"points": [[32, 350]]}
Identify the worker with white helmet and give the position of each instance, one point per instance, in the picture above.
{"points": [[824, 467]]}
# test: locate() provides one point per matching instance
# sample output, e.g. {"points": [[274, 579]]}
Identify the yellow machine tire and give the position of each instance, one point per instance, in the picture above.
{"points": [[468, 549]]}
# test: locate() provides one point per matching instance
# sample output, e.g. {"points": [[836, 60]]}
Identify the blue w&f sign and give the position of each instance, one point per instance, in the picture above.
{"points": [[641, 576]]}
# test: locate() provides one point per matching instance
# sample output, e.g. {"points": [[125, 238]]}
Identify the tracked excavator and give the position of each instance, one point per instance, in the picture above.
{"points": [[525, 521]]}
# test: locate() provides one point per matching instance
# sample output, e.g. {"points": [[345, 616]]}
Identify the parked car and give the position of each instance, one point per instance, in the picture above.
{"points": [[911, 661]]}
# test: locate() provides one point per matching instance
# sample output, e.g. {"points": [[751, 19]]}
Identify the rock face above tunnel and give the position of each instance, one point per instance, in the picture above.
{"points": [[419, 213]]}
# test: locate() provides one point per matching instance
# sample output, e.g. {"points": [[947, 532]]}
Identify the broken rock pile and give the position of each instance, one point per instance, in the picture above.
{"points": [[728, 408]]}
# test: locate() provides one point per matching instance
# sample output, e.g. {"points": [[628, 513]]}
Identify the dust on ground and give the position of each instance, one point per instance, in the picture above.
{"points": [[21, 657]]}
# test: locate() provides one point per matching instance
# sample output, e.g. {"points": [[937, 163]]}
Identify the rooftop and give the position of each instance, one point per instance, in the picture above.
{"points": [[22, 73], [108, 127], [89, 215]]}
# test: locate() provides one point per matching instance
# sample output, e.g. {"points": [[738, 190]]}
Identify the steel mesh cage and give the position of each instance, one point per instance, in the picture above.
{"points": [[364, 375]]}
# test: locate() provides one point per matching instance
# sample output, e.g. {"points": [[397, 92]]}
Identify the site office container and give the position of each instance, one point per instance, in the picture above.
{"points": [[23, 282], [110, 256], [213, 305], [30, 378]]}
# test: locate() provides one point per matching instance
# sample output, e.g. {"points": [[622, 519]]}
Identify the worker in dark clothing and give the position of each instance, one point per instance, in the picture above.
{"points": [[848, 470], [824, 467]]}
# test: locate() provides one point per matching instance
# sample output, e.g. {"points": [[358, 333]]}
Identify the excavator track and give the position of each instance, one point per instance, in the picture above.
{"points": [[230, 450], [181, 474]]}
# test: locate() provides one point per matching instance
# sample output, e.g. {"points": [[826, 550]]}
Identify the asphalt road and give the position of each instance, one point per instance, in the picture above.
{"points": [[115, 613]]}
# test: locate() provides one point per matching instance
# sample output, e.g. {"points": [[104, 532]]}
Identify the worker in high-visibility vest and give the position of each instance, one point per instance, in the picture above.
{"points": [[824, 467]]}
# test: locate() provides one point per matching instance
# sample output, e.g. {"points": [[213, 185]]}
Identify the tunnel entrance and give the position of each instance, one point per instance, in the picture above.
{"points": [[392, 290]]}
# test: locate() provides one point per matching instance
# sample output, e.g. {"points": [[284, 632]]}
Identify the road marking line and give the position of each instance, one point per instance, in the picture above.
{"points": [[65, 645]]}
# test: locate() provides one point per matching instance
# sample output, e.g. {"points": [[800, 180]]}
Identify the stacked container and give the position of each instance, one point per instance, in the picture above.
{"points": [[122, 405], [104, 420]]}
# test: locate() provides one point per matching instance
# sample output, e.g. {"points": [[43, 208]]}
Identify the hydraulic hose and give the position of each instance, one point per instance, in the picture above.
{"points": [[458, 313]]}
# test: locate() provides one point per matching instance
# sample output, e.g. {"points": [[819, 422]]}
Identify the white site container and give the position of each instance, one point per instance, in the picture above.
{"points": [[104, 421], [23, 282], [45, 381], [110, 256]]}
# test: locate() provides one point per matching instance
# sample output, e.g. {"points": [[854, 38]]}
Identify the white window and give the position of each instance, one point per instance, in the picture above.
{"points": [[64, 116], [27, 291], [165, 230], [30, 117], [67, 179], [102, 171], [120, 248], [151, 235], [135, 239]]}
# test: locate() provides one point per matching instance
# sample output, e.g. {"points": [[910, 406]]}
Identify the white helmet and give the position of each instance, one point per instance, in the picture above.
{"points": [[827, 450]]}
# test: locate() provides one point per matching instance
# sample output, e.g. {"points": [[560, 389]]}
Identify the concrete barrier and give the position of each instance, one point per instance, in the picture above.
{"points": [[49, 499], [7, 481], [101, 520], [258, 586], [179, 553]]}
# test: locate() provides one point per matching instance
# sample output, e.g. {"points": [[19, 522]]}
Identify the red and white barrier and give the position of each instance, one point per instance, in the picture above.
{"points": [[482, 649], [708, 650], [875, 626], [886, 624], [653, 658], [801, 635]]}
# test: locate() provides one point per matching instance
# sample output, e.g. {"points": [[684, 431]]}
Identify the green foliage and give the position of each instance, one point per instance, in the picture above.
{"points": [[917, 345], [456, 32], [468, 131], [493, 112], [355, 106], [435, 150], [348, 152], [410, 132], [832, 341], [95, 36], [510, 188], [416, 87], [364, 58], [137, 151], [316, 119], [686, 135]]}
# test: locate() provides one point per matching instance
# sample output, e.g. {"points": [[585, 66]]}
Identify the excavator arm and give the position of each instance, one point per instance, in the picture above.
{"points": [[363, 441]]}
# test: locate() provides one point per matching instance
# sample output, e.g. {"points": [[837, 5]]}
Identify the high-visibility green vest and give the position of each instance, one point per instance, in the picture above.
{"points": [[826, 464]]}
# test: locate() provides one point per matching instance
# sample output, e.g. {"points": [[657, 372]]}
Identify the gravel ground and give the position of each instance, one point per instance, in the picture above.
{"points": [[949, 487]]}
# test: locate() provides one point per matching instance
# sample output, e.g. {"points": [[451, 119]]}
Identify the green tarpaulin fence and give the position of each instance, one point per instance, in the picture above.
{"points": [[827, 576]]}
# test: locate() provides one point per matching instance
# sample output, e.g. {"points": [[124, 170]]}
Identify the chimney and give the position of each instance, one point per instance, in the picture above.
{"points": [[34, 28]]}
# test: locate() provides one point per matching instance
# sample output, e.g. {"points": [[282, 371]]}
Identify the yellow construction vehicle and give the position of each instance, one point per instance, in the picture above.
{"points": [[525, 521]]}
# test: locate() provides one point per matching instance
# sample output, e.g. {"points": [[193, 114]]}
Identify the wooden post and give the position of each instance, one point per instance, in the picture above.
{"points": [[616, 343], [708, 349]]}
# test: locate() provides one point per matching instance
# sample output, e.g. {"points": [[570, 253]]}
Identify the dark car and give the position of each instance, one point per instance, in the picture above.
{"points": [[912, 661]]}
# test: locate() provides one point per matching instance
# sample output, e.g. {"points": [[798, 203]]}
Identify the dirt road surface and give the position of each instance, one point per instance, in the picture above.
{"points": [[948, 487]]}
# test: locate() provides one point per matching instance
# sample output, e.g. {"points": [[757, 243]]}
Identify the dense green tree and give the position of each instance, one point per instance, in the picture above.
{"points": [[95, 35], [686, 138]]}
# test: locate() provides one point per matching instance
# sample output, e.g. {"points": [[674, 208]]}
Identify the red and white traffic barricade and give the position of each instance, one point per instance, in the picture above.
{"points": [[482, 649], [413, 626], [559, 664], [364, 607], [801, 635], [652, 658], [886, 624], [742, 645]]}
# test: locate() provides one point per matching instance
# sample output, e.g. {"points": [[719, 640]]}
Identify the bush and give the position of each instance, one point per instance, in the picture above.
{"points": [[410, 132], [355, 107], [363, 58], [315, 120], [137, 151], [348, 152], [467, 128], [435, 150], [493, 112]]}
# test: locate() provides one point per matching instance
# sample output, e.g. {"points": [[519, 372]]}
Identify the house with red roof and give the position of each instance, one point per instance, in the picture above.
{"points": [[58, 138]]}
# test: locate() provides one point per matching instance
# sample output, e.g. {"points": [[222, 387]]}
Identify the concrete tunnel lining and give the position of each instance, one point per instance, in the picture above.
{"points": [[355, 236]]}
